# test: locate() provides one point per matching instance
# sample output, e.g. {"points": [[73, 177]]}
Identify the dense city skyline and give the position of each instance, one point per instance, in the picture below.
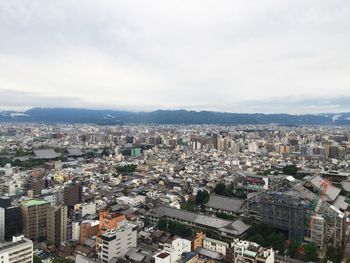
{"points": [[174, 131]]}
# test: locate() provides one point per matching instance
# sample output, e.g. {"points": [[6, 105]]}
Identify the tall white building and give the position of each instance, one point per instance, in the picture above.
{"points": [[19, 250], [2, 224], [117, 241], [75, 231], [253, 147]]}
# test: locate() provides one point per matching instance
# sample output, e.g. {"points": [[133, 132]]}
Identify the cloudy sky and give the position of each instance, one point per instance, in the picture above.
{"points": [[239, 56]]}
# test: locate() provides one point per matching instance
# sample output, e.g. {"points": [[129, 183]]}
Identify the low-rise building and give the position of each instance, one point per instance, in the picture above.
{"points": [[224, 228], [223, 204], [215, 245], [172, 252], [245, 251]]}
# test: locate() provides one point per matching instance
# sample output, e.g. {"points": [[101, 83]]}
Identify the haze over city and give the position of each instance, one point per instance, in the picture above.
{"points": [[238, 56]]}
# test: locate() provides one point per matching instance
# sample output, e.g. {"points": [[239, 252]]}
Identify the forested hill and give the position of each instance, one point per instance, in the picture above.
{"points": [[110, 117]]}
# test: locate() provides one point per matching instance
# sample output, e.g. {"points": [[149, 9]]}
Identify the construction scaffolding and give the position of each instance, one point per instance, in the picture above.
{"points": [[292, 215]]}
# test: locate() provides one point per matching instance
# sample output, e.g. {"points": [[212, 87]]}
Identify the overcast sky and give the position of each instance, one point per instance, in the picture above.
{"points": [[240, 56]]}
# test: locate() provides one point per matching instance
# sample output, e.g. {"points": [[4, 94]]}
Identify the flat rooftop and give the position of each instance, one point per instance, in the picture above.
{"points": [[33, 202], [163, 255], [9, 245]]}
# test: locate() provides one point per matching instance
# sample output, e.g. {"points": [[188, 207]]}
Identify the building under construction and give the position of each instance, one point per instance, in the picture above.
{"points": [[289, 206], [282, 210]]}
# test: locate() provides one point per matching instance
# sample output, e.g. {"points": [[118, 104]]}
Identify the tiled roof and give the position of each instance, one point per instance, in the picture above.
{"points": [[224, 203]]}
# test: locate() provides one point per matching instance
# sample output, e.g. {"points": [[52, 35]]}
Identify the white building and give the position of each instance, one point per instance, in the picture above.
{"points": [[215, 245], [88, 209], [19, 250], [162, 257], [10, 188], [253, 147], [117, 241], [51, 198], [75, 231], [172, 251], [2, 224], [245, 251]]}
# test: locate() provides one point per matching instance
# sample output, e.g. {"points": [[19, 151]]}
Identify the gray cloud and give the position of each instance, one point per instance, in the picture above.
{"points": [[22, 100], [176, 54]]}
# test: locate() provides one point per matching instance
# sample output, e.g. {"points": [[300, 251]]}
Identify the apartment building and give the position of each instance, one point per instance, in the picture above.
{"points": [[19, 250], [117, 241], [57, 224], [34, 214]]}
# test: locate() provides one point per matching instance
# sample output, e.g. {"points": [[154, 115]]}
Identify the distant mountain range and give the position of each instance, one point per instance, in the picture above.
{"points": [[113, 117]]}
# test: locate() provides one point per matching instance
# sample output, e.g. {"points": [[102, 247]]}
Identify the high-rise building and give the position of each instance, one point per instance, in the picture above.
{"points": [[75, 231], [333, 151], [72, 194], [57, 224], [283, 148], [117, 241], [12, 223], [19, 250], [108, 220], [34, 214], [10, 220], [253, 147], [222, 144]]}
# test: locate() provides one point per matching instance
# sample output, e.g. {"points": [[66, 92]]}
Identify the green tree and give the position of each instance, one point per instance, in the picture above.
{"points": [[220, 188], [175, 228], [202, 197], [266, 237], [311, 252], [105, 152], [62, 260], [21, 152], [36, 259], [189, 206], [130, 168], [258, 238], [290, 169], [224, 216], [293, 249], [162, 224], [334, 254], [90, 155], [276, 241], [240, 193]]}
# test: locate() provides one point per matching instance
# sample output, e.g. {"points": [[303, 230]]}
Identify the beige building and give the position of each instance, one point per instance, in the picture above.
{"points": [[34, 214], [19, 250], [57, 224]]}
